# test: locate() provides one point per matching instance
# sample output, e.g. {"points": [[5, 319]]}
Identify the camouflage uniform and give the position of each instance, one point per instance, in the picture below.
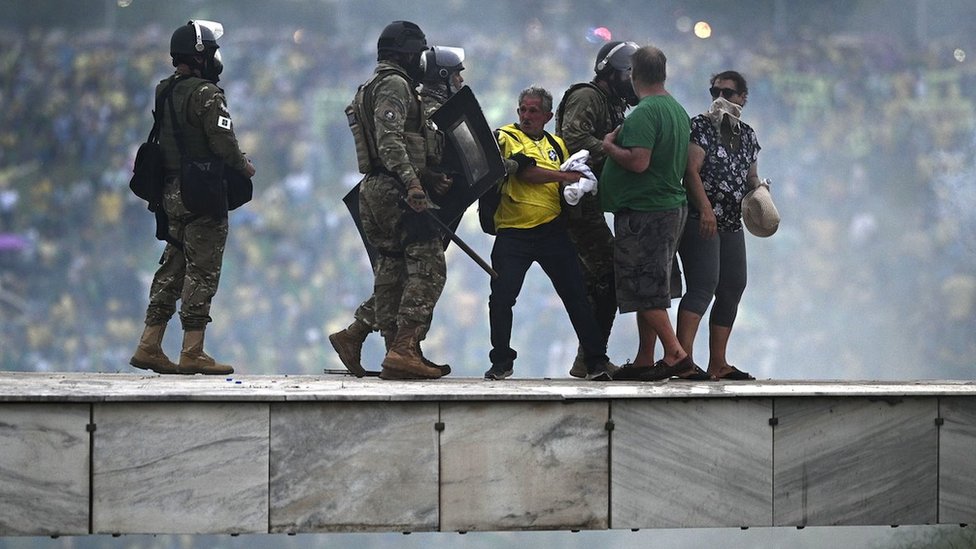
{"points": [[191, 274], [431, 99], [410, 270], [585, 115]]}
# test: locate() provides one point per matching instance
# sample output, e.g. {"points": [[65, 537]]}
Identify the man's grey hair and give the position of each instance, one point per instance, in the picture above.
{"points": [[541, 93]]}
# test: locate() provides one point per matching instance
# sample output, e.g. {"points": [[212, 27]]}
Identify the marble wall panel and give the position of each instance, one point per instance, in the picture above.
{"points": [[168, 467], [354, 466], [957, 460], [524, 466], [44, 472], [691, 463], [855, 461]]}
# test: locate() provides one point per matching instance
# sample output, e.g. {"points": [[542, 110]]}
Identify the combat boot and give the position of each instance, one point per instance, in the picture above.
{"points": [[194, 361], [403, 361], [348, 344], [444, 368], [149, 353]]}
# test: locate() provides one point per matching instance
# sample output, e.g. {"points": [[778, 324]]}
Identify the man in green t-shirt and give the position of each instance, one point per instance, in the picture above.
{"points": [[641, 185]]}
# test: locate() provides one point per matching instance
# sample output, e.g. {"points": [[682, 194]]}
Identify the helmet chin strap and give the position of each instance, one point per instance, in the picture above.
{"points": [[199, 45]]}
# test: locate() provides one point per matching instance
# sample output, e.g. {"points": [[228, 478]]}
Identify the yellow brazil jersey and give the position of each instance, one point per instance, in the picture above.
{"points": [[526, 205]]}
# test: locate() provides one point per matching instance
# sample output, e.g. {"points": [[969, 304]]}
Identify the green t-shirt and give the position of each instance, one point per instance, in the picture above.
{"points": [[658, 123]]}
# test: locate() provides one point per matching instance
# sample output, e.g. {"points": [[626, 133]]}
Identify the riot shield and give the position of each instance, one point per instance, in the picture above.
{"points": [[352, 204], [471, 155], [471, 158]]}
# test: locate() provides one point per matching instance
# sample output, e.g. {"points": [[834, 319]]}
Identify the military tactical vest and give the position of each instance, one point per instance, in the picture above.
{"points": [[194, 138], [359, 115], [614, 116]]}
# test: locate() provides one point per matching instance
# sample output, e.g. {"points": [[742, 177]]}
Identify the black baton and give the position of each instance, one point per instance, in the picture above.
{"points": [[461, 244]]}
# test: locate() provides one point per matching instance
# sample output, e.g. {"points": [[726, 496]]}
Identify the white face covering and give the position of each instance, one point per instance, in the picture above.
{"points": [[721, 108]]}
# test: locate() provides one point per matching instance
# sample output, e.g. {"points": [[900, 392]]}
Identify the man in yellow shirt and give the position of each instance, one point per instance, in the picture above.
{"points": [[530, 229]]}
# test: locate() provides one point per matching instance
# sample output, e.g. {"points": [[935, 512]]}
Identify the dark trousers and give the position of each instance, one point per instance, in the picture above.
{"points": [[548, 245], [713, 267]]}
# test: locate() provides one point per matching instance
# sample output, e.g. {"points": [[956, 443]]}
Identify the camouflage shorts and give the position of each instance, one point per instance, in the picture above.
{"points": [[643, 250]]}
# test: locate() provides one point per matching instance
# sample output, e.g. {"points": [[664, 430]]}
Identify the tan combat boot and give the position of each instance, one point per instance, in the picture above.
{"points": [[403, 361], [444, 368], [348, 344], [194, 361], [149, 353]]}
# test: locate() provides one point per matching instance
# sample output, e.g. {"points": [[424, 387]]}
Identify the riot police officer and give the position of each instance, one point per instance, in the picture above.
{"points": [[410, 269], [441, 67], [190, 266], [588, 111]]}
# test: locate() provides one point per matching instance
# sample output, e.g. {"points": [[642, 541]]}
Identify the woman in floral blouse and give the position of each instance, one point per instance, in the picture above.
{"points": [[721, 170]]}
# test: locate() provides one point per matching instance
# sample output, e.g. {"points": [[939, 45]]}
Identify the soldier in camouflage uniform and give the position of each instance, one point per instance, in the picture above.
{"points": [[587, 112], [410, 269], [442, 78], [190, 269]]}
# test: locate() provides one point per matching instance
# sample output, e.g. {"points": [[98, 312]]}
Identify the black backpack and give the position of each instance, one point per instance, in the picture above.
{"points": [[148, 171], [489, 201]]}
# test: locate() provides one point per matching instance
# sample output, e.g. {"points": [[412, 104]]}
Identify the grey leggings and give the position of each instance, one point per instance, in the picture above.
{"points": [[713, 267]]}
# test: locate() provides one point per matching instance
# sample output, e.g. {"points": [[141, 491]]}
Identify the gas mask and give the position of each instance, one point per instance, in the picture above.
{"points": [[623, 88]]}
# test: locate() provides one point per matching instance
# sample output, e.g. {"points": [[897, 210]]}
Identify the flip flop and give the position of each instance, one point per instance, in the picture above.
{"points": [[737, 375], [697, 374]]}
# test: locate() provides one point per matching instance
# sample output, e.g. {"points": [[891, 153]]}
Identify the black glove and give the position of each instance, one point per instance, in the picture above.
{"points": [[436, 181]]}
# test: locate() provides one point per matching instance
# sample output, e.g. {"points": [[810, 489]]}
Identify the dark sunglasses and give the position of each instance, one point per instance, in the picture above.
{"points": [[724, 92]]}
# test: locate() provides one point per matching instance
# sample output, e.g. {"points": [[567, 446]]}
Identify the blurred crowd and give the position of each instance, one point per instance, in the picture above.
{"points": [[869, 144]]}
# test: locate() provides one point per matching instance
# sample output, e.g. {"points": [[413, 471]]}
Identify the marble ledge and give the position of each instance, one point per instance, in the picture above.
{"points": [[116, 387]]}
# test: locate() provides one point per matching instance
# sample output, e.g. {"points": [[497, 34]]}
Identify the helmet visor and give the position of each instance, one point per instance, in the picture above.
{"points": [[215, 28], [448, 56], [620, 58]]}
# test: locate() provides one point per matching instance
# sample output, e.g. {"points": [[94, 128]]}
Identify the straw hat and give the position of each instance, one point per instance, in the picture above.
{"points": [[758, 211]]}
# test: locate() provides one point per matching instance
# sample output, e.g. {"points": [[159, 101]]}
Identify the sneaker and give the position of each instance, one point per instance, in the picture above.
{"points": [[599, 372], [499, 371], [579, 367], [599, 376]]}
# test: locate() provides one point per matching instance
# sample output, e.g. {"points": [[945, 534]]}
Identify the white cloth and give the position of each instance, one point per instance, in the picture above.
{"points": [[587, 184], [723, 108]]}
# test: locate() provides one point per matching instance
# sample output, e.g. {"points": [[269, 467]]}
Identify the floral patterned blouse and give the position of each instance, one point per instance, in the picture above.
{"points": [[725, 171]]}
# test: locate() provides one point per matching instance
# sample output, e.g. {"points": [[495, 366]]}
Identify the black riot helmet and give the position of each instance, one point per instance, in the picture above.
{"points": [[614, 56], [613, 66], [401, 37], [440, 63], [198, 39]]}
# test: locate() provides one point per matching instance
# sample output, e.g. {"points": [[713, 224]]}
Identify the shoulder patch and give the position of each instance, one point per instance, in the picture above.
{"points": [[390, 115], [223, 122]]}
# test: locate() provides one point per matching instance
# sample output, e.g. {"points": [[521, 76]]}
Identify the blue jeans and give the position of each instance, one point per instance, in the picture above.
{"points": [[548, 245]]}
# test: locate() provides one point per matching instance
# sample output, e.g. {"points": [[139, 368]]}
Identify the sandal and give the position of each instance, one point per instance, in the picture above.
{"points": [[697, 374], [736, 375]]}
